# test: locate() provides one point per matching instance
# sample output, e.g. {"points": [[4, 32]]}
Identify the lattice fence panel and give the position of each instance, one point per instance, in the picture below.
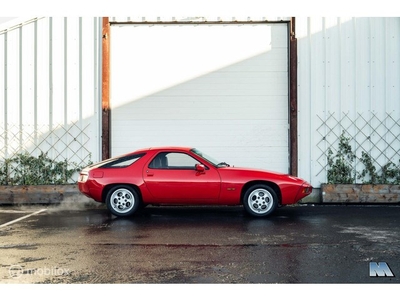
{"points": [[377, 135], [62, 143]]}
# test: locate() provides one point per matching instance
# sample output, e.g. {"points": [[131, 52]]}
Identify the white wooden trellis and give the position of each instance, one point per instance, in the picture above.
{"points": [[376, 135]]}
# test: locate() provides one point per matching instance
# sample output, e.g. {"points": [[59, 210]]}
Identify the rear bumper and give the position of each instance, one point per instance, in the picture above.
{"points": [[90, 191]]}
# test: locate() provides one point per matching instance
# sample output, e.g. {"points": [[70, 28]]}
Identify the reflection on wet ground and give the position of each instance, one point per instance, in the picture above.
{"points": [[298, 244]]}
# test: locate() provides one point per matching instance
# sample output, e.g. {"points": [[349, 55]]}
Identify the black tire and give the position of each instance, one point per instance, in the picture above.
{"points": [[260, 200], [122, 201]]}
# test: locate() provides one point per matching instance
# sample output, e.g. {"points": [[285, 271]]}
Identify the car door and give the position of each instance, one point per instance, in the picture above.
{"points": [[172, 177]]}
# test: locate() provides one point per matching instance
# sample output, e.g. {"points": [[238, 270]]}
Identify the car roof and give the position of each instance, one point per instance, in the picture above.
{"points": [[165, 148]]}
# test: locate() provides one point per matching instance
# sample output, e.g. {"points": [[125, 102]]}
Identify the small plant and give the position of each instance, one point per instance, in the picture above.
{"points": [[389, 174], [341, 165], [369, 171], [24, 169]]}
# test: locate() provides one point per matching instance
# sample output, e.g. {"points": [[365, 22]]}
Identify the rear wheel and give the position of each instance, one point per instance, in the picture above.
{"points": [[260, 200], [122, 201]]}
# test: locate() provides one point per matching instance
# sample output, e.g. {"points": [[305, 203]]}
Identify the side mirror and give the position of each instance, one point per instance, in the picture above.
{"points": [[200, 168]]}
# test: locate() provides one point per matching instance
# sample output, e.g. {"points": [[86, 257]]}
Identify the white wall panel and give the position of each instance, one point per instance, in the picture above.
{"points": [[49, 83], [348, 76], [221, 88]]}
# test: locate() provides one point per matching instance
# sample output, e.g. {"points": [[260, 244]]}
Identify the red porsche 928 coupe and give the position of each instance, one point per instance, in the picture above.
{"points": [[186, 176]]}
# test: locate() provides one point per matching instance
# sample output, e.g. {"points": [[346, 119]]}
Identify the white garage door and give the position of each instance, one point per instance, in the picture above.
{"points": [[220, 88]]}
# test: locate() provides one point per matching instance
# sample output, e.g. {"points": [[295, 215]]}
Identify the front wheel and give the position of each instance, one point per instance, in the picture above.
{"points": [[122, 201], [260, 200]]}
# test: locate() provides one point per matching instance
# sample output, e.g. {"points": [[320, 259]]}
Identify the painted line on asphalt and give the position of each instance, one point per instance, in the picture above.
{"points": [[22, 218]]}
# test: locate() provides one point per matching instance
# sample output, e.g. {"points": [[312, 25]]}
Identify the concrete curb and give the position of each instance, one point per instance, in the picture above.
{"points": [[43, 194]]}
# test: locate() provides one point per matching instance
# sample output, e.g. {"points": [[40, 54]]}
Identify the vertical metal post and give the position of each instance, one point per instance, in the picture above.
{"points": [[5, 73], [106, 89], [293, 98]]}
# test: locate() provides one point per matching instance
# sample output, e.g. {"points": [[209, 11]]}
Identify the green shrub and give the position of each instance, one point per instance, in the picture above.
{"points": [[341, 167], [25, 169]]}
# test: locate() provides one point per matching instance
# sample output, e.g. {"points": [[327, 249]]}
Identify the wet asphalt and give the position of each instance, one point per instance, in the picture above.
{"points": [[297, 244]]}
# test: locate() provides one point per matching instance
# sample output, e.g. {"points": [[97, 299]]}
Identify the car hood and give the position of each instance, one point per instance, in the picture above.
{"points": [[259, 173], [251, 170]]}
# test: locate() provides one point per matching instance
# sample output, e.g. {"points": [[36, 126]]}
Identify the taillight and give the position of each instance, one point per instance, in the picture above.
{"points": [[83, 177]]}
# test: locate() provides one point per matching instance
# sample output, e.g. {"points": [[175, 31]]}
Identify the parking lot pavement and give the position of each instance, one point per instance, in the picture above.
{"points": [[298, 244]]}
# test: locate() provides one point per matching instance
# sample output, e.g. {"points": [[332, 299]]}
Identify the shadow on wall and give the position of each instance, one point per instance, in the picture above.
{"points": [[201, 93], [50, 89]]}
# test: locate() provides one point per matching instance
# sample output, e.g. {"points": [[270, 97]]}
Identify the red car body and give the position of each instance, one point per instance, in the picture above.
{"points": [[185, 176]]}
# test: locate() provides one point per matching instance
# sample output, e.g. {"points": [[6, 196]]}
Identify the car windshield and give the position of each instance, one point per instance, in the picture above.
{"points": [[209, 159]]}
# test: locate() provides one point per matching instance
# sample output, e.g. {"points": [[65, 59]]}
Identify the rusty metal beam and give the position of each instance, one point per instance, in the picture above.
{"points": [[105, 101], [293, 140], [195, 23], [293, 98]]}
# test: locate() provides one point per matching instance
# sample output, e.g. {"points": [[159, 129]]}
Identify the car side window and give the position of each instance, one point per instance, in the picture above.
{"points": [[174, 161], [120, 162]]}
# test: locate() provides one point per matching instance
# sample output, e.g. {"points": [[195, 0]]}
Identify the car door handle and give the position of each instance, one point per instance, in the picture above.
{"points": [[150, 173]]}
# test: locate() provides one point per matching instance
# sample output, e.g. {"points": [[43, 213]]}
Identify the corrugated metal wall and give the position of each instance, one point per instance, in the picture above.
{"points": [[348, 82], [50, 88]]}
